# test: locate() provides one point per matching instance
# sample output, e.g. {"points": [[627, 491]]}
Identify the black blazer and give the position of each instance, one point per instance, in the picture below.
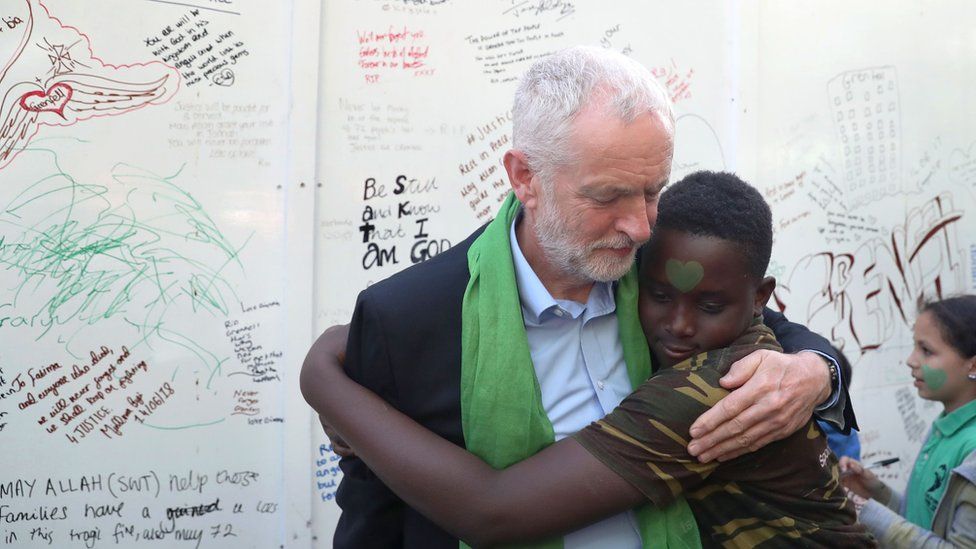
{"points": [[405, 345]]}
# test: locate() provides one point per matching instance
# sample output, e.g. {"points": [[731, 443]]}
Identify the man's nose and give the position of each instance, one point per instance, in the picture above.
{"points": [[634, 222]]}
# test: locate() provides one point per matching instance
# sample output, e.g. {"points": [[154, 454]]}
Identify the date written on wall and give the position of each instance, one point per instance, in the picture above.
{"points": [[99, 395], [383, 221]]}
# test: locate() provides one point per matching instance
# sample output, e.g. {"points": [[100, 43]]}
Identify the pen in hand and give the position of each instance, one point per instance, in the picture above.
{"points": [[879, 463], [883, 463]]}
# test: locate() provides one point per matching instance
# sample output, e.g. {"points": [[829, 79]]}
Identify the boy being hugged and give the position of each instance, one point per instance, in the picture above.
{"points": [[703, 290]]}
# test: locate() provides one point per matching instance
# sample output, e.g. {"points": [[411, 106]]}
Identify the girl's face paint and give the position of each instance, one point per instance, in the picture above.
{"points": [[935, 379], [938, 368]]}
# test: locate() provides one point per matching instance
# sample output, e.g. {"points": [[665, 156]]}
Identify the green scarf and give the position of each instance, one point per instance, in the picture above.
{"points": [[501, 404]]}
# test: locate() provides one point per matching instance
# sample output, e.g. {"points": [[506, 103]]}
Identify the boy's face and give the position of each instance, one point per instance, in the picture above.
{"points": [[696, 295]]}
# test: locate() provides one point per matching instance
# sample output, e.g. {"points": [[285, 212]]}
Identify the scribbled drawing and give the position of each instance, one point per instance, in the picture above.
{"points": [[51, 77], [859, 297], [75, 253], [867, 118], [135, 254], [224, 78]]}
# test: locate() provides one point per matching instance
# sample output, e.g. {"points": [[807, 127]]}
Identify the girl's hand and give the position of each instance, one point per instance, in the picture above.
{"points": [[857, 500], [859, 480]]}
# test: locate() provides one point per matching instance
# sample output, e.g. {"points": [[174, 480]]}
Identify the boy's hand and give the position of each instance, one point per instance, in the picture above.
{"points": [[777, 396]]}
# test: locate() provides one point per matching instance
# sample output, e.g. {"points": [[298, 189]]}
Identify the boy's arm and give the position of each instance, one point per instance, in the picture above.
{"points": [[774, 395], [562, 488], [372, 515]]}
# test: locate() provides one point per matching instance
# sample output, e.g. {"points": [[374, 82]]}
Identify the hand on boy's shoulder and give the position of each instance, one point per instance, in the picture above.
{"points": [[773, 395]]}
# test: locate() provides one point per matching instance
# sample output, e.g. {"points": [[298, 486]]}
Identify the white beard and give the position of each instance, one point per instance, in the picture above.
{"points": [[571, 256]]}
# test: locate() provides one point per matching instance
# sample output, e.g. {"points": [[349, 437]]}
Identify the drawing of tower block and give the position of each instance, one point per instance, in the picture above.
{"points": [[868, 121]]}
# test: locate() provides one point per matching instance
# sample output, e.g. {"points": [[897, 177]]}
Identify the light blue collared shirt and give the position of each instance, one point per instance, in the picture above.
{"points": [[579, 362]]}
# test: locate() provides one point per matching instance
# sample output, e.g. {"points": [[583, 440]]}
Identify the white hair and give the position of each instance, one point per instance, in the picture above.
{"points": [[556, 88]]}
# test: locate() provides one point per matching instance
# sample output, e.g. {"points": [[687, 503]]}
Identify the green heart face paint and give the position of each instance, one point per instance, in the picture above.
{"points": [[684, 276], [935, 379]]}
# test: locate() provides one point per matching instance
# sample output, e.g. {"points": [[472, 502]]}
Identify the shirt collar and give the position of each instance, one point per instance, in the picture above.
{"points": [[538, 304], [949, 423]]}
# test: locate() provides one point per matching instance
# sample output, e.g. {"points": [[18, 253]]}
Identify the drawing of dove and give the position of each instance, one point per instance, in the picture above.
{"points": [[51, 77]]}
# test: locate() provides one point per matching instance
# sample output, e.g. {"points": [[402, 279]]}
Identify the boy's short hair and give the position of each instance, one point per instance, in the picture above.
{"points": [[721, 205]]}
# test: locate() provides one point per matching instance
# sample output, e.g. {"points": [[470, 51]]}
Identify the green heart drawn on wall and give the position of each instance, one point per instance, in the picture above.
{"points": [[935, 379], [684, 276]]}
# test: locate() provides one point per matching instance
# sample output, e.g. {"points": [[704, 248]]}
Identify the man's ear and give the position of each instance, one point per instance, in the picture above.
{"points": [[763, 292], [520, 176]]}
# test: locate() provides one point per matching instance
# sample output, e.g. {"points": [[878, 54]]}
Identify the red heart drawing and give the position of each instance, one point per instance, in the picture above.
{"points": [[55, 99]]}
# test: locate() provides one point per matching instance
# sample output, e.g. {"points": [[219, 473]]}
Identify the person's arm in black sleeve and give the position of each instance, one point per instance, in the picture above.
{"points": [[794, 338]]}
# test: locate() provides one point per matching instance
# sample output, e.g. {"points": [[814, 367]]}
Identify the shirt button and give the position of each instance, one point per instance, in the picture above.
{"points": [[559, 312], [600, 385]]}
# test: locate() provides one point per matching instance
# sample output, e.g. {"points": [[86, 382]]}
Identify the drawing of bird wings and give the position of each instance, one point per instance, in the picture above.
{"points": [[87, 96], [93, 95], [18, 126]]}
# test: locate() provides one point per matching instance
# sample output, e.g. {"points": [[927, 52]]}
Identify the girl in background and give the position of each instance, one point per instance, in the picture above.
{"points": [[939, 506]]}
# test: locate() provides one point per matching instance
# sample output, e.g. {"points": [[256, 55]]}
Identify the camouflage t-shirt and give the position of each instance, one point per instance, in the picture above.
{"points": [[786, 494]]}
